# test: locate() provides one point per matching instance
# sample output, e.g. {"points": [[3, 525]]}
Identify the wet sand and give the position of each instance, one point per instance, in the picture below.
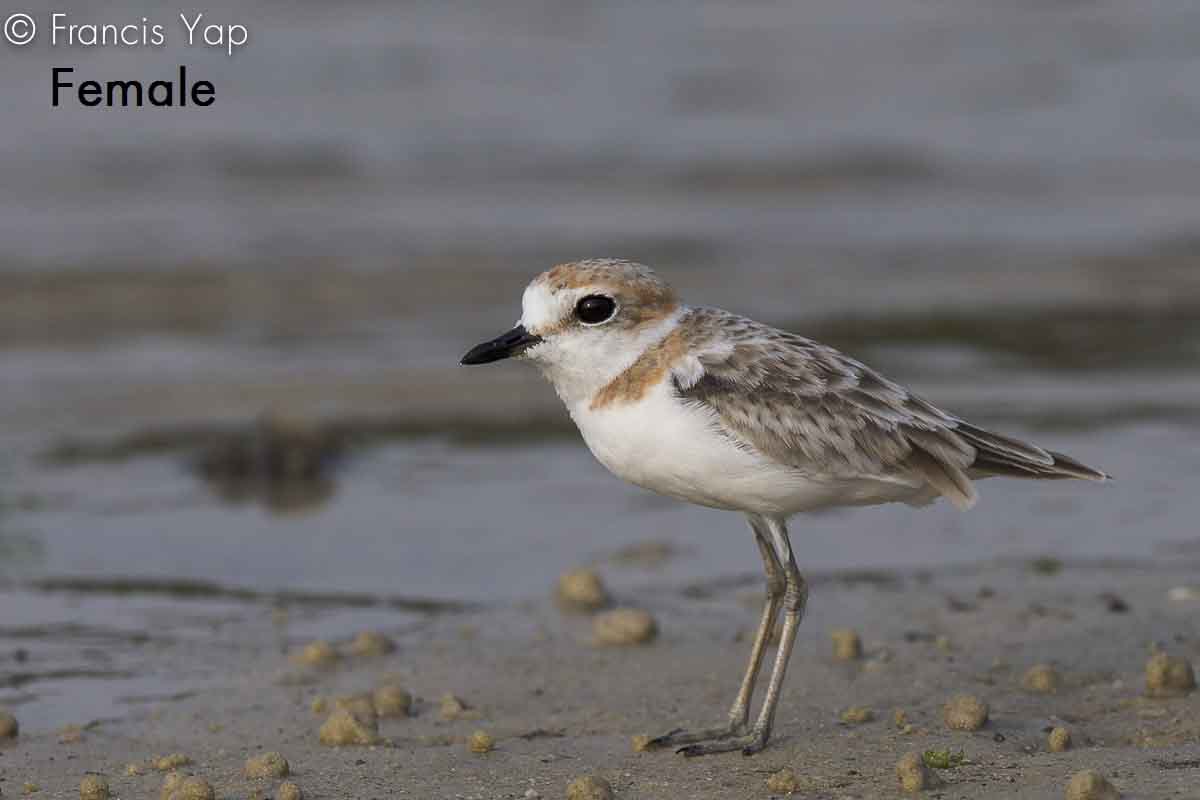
{"points": [[558, 707]]}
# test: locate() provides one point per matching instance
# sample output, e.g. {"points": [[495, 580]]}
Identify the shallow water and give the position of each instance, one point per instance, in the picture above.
{"points": [[994, 204], [426, 519]]}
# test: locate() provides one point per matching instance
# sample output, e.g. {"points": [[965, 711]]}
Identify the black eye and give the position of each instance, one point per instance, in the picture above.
{"points": [[594, 309]]}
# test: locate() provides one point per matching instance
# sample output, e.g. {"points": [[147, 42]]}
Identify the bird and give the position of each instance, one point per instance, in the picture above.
{"points": [[718, 410]]}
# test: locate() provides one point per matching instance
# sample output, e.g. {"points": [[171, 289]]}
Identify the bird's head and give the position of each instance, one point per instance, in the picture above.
{"points": [[585, 322]]}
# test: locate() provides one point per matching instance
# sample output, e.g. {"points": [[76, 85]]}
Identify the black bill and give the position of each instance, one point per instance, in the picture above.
{"points": [[506, 345]]}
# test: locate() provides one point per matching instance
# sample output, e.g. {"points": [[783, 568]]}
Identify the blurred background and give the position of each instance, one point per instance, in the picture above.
{"points": [[229, 336]]}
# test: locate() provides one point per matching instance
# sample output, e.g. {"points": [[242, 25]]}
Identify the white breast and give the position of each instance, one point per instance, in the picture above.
{"points": [[676, 449]]}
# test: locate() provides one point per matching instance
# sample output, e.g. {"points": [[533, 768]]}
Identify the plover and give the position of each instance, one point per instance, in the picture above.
{"points": [[719, 410]]}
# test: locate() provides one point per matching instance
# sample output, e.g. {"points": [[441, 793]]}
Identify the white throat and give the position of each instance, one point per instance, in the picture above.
{"points": [[580, 364]]}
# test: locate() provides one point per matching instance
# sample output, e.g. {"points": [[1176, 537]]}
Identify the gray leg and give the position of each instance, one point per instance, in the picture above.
{"points": [[795, 597], [739, 713]]}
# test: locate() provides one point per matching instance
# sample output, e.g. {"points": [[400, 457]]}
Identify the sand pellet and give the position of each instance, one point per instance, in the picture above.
{"points": [[640, 743], [451, 707], [372, 643], [360, 703], [847, 646], [581, 590], [392, 701], [1041, 678], [856, 715], [913, 775], [288, 791], [481, 742], [267, 765], [1091, 785], [965, 712], [317, 654], [93, 787], [1168, 675], [589, 787], [783, 782], [179, 787], [624, 626], [193, 789], [344, 728], [9, 728], [170, 783], [1058, 740], [170, 762]]}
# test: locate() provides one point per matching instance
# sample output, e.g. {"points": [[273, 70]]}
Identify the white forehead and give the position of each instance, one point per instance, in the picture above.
{"points": [[542, 307]]}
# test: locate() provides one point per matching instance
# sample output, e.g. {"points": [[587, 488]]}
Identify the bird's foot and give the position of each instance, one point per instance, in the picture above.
{"points": [[749, 744], [680, 737]]}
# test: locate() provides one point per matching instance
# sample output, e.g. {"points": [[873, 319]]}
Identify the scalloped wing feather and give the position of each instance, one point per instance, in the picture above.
{"points": [[811, 408]]}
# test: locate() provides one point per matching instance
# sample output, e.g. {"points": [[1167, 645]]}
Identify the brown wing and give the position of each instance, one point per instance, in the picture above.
{"points": [[808, 406]]}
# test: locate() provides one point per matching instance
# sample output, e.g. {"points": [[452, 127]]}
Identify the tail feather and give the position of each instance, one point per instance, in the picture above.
{"points": [[947, 461], [1002, 455], [1077, 469]]}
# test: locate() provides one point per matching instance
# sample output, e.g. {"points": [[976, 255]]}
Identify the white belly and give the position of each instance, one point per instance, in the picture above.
{"points": [[669, 447]]}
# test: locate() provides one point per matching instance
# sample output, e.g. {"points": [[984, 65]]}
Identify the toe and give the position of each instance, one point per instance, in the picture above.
{"points": [[666, 740], [679, 736]]}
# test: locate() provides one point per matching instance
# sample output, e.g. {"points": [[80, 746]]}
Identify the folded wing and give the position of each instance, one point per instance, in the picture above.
{"points": [[808, 406]]}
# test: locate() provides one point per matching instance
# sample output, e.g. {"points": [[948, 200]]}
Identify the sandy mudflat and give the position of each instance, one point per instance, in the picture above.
{"points": [[558, 707]]}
